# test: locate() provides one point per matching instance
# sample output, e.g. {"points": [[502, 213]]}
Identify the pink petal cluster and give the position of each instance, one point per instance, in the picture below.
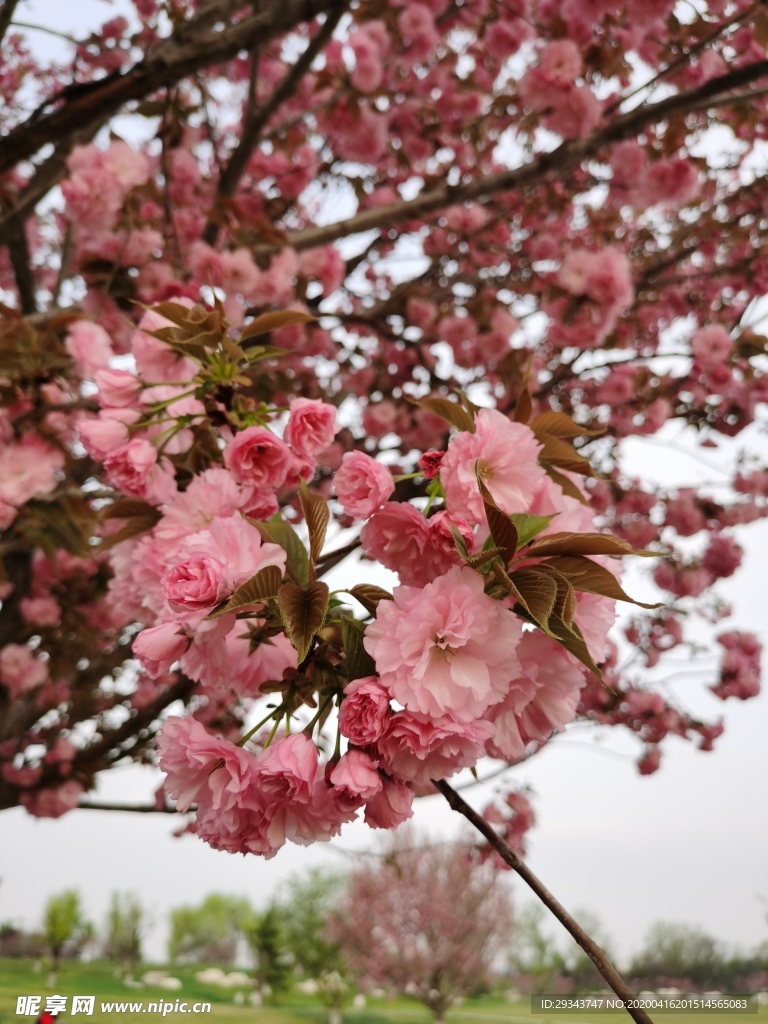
{"points": [[311, 426], [446, 649], [362, 484], [255, 456], [418, 549], [505, 454]]}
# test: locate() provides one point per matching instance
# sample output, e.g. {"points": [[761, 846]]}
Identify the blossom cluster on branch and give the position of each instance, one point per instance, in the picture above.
{"points": [[265, 308]]}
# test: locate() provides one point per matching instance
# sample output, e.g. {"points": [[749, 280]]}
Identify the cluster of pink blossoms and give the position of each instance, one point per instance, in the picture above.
{"points": [[456, 676]]}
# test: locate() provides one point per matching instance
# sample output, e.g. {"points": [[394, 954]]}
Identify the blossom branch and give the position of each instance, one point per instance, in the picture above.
{"points": [[716, 92], [508, 855]]}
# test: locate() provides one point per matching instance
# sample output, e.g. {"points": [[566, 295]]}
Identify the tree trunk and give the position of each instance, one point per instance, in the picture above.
{"points": [[334, 1015]]}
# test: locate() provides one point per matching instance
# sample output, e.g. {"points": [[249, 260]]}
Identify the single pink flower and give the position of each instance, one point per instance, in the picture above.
{"points": [[135, 470], [158, 647], [89, 345], [356, 776], [418, 747], [365, 712], [311, 426], [20, 670], [397, 536], [362, 484], [504, 453], [391, 806], [54, 801], [28, 469], [447, 648], [255, 456], [196, 585], [117, 388]]}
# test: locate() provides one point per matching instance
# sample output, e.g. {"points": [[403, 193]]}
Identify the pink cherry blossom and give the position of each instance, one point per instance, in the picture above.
{"points": [[391, 806], [418, 747], [504, 453], [158, 647], [196, 585], [365, 711], [54, 801], [28, 469], [311, 426], [446, 648], [362, 484], [136, 470], [20, 670], [255, 456], [89, 345], [355, 775]]}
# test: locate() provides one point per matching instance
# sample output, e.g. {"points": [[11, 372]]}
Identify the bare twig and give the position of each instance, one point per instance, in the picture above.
{"points": [[93, 805], [257, 117], [597, 955]]}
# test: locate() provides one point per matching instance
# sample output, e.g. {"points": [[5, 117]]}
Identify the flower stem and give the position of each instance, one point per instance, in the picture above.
{"points": [[244, 739]]}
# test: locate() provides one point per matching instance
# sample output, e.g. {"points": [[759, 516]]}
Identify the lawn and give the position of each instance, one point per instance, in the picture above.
{"points": [[18, 978]]}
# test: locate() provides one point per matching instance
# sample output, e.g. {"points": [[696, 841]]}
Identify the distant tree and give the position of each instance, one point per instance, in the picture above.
{"points": [[209, 932], [305, 908], [424, 920], [272, 959], [534, 952], [679, 951], [126, 925], [64, 926]]}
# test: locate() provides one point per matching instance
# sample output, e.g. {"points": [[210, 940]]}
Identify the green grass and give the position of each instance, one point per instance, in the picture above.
{"points": [[17, 977]]}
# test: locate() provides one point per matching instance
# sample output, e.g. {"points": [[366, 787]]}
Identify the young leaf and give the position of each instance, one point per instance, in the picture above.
{"points": [[263, 585], [316, 515], [302, 610], [359, 661], [558, 424], [523, 407], [450, 411], [459, 541], [503, 530], [274, 321], [562, 455], [278, 532], [566, 485], [369, 596], [592, 578], [528, 526], [571, 639], [585, 544], [539, 592]]}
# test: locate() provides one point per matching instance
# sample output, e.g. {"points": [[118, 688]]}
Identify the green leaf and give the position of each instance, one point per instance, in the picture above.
{"points": [[267, 322], [529, 526], [302, 610], [253, 355], [316, 516], [278, 532], [450, 411], [369, 596], [359, 662], [258, 588], [592, 578], [585, 544]]}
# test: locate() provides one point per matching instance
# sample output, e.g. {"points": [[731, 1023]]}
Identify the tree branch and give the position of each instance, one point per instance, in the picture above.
{"points": [[716, 92], [508, 855], [143, 809], [257, 117], [15, 238], [6, 16], [211, 37]]}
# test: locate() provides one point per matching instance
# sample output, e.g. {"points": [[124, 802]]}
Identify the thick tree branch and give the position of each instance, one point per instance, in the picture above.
{"points": [[209, 38], [257, 117], [508, 855], [6, 15], [15, 237], [716, 92]]}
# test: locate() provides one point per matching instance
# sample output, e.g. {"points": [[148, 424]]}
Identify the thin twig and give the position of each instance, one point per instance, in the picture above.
{"points": [[6, 15], [143, 809], [256, 117], [597, 955]]}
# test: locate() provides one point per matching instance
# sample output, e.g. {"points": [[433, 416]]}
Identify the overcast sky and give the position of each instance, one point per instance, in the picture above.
{"points": [[689, 843]]}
